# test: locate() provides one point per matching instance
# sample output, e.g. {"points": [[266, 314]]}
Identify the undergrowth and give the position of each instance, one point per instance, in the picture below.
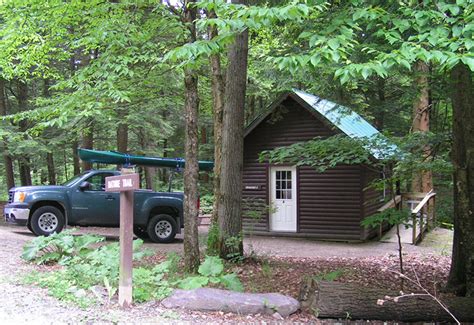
{"points": [[87, 271]]}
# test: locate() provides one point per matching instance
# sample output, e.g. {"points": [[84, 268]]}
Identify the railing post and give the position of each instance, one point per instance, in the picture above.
{"points": [[413, 241]]}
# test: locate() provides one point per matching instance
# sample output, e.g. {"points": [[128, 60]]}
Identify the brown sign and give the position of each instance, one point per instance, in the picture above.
{"points": [[125, 184], [128, 182]]}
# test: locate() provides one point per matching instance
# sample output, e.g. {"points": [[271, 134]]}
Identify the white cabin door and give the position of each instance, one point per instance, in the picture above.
{"points": [[283, 199]]}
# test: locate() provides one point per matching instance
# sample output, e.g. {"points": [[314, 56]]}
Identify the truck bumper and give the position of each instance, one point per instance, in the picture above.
{"points": [[16, 215]]}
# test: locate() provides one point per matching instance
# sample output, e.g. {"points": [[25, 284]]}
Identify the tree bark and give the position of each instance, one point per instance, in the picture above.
{"points": [[422, 182], [51, 169], [191, 169], [75, 158], [88, 143], [24, 161], [461, 276], [343, 300], [218, 89], [122, 130], [7, 159], [230, 209], [149, 176]]}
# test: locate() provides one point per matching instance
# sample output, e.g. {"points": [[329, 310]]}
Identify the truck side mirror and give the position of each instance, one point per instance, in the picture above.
{"points": [[85, 186]]}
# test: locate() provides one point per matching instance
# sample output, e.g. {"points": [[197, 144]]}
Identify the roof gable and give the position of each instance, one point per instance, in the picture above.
{"points": [[343, 118]]}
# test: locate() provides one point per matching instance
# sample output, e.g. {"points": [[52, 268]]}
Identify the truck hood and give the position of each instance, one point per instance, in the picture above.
{"points": [[38, 188]]}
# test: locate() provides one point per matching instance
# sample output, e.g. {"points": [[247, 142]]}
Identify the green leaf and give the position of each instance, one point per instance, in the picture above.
{"points": [[232, 282], [193, 282], [469, 61], [212, 266], [333, 43]]}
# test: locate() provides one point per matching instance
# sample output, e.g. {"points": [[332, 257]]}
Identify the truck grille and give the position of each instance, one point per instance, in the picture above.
{"points": [[10, 196]]}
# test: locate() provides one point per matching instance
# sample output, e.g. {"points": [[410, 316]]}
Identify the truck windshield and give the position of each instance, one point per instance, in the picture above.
{"points": [[74, 179]]}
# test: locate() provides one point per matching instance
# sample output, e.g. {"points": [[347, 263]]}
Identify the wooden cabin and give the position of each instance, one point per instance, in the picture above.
{"points": [[299, 201]]}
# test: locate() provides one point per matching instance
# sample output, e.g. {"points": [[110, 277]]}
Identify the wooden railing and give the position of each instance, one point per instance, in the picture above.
{"points": [[423, 216]]}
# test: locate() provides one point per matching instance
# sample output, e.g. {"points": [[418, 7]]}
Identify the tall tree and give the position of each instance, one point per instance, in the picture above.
{"points": [[9, 175], [218, 89], [422, 182], [24, 159], [191, 170], [230, 206], [461, 276]]}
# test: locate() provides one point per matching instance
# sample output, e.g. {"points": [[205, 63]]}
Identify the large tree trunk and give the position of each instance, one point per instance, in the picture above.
{"points": [[49, 155], [342, 300], [88, 143], [25, 172], [422, 182], [461, 276], [230, 209], [191, 170], [122, 130], [149, 176], [218, 89], [24, 161], [7, 159], [75, 158], [51, 169]]}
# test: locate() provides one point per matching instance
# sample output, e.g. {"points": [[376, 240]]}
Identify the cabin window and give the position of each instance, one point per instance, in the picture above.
{"points": [[283, 185]]}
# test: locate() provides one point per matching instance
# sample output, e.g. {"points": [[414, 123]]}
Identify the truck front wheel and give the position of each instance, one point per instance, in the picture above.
{"points": [[162, 228], [46, 220]]}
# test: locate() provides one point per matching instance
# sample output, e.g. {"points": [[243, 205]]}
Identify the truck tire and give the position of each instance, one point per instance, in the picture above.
{"points": [[140, 232], [46, 221], [162, 228]]}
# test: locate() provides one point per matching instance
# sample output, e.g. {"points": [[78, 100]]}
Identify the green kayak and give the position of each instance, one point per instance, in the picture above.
{"points": [[113, 157]]}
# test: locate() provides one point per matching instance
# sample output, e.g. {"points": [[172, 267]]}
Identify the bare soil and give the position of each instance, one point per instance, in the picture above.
{"points": [[274, 265]]}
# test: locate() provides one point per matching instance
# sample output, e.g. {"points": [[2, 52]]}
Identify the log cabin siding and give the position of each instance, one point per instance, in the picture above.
{"points": [[329, 204], [373, 199]]}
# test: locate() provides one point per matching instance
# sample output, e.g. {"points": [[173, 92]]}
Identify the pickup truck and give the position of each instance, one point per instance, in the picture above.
{"points": [[83, 201]]}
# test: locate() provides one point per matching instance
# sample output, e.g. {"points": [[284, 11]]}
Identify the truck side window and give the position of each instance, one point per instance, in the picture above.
{"points": [[98, 182]]}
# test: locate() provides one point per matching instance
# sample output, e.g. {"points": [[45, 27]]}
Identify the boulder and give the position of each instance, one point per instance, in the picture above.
{"points": [[208, 299]]}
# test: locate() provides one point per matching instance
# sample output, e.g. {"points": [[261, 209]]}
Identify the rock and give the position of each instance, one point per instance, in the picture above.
{"points": [[208, 299], [277, 316]]}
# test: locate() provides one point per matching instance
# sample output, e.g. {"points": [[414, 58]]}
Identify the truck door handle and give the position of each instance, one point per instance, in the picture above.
{"points": [[109, 198]]}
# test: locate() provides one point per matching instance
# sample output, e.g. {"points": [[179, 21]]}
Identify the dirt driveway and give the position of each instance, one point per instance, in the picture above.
{"points": [[26, 304]]}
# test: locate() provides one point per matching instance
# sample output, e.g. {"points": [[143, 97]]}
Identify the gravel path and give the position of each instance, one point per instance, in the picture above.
{"points": [[20, 303]]}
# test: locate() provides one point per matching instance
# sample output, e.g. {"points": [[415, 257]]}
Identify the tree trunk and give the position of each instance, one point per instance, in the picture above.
{"points": [[218, 89], [8, 161], [25, 172], [461, 276], [191, 169], [149, 176], [422, 182], [122, 131], [88, 143], [51, 169], [24, 161], [75, 158], [230, 209], [343, 300]]}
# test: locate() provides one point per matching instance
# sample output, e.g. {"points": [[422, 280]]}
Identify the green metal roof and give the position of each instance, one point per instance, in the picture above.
{"points": [[343, 118]]}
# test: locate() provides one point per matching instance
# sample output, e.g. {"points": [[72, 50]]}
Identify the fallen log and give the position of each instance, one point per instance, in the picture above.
{"points": [[347, 301]]}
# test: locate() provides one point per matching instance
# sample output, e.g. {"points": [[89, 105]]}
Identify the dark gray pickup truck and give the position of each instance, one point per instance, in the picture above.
{"points": [[83, 201]]}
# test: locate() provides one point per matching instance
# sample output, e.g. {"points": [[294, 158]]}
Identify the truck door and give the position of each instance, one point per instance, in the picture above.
{"points": [[93, 206]]}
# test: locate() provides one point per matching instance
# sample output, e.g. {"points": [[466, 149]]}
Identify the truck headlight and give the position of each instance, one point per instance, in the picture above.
{"points": [[19, 197]]}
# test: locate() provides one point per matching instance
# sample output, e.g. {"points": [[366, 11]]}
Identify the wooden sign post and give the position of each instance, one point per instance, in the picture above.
{"points": [[125, 184]]}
